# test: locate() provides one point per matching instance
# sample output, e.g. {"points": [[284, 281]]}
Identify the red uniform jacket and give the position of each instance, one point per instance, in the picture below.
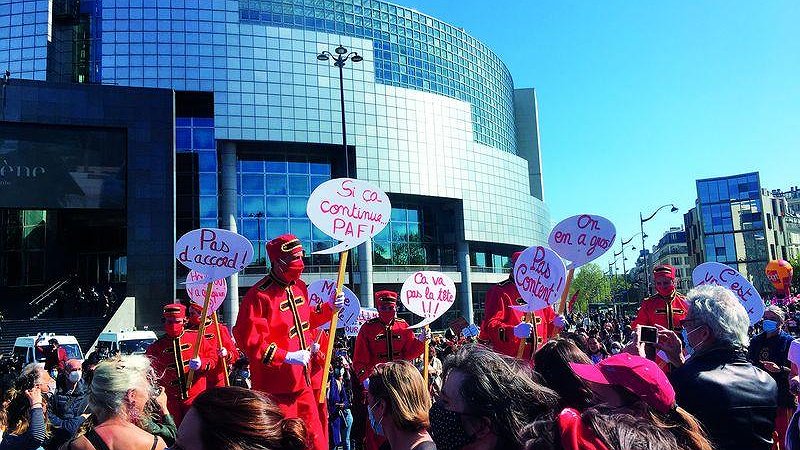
{"points": [[318, 360], [664, 311], [500, 319], [378, 342], [276, 318], [167, 355]]}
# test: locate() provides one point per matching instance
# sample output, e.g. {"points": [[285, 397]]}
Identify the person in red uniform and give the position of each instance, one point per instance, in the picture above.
{"points": [[667, 308], [383, 339], [503, 327], [171, 357], [274, 331], [228, 351]]}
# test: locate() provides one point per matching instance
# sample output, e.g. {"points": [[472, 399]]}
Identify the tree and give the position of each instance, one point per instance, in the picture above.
{"points": [[593, 286], [795, 275]]}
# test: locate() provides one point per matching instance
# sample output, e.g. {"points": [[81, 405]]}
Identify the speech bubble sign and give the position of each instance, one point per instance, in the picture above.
{"points": [[349, 210], [721, 275], [540, 278], [197, 287], [324, 290], [582, 238], [364, 316], [213, 252], [428, 294]]}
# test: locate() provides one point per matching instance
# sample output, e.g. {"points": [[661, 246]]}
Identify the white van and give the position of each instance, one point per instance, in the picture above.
{"points": [[125, 342], [25, 347]]}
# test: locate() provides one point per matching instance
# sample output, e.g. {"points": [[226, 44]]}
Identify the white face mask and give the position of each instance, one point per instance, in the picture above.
{"points": [[74, 376]]}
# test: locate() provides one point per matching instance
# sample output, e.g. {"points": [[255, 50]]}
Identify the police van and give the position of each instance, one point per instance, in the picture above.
{"points": [[25, 347], [125, 342]]}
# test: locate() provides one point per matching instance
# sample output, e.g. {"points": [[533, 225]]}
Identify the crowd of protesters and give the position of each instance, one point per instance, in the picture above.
{"points": [[717, 383]]}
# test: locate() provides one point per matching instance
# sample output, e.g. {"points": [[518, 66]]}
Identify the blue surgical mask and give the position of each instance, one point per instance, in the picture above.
{"points": [[685, 335], [769, 325], [246, 373], [375, 423]]}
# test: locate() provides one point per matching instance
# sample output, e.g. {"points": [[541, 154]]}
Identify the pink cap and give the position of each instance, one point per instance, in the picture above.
{"points": [[638, 375]]}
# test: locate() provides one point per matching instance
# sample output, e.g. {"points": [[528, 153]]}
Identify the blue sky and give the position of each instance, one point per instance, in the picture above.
{"points": [[639, 99]]}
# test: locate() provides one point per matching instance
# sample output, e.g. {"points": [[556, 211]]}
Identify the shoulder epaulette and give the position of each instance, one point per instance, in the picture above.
{"points": [[268, 280]]}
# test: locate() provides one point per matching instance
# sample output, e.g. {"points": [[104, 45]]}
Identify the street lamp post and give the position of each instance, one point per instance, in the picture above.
{"points": [[340, 56], [644, 255], [258, 215]]}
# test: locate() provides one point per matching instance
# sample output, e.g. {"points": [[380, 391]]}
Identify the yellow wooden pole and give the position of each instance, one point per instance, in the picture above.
{"points": [[427, 358], [563, 305], [200, 331], [323, 391], [219, 342]]}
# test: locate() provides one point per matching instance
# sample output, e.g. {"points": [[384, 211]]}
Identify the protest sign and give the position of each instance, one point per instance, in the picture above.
{"points": [[349, 210], [213, 252], [583, 238], [457, 325], [364, 315], [428, 294], [540, 278], [719, 274], [196, 286], [322, 291]]}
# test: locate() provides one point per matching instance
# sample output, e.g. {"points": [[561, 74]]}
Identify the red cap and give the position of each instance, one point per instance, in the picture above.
{"points": [[285, 244], [386, 297], [514, 257], [664, 270], [575, 435], [174, 310], [197, 308], [638, 375]]}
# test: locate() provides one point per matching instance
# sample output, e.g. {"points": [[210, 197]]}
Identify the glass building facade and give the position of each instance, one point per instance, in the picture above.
{"points": [[431, 115], [738, 223]]}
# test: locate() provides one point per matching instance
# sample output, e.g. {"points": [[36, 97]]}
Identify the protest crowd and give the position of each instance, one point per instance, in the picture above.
{"points": [[707, 378]]}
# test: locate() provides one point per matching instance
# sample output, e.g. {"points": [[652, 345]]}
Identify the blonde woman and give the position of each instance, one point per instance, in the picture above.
{"points": [[398, 404], [120, 390]]}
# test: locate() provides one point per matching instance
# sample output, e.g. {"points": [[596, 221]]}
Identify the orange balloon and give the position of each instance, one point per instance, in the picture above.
{"points": [[779, 272]]}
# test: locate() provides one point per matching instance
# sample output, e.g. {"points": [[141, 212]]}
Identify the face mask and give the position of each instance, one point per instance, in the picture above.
{"points": [[292, 271], [375, 423], [74, 376], [387, 316], [685, 335], [447, 430], [246, 374], [665, 291], [339, 372], [769, 325], [173, 329]]}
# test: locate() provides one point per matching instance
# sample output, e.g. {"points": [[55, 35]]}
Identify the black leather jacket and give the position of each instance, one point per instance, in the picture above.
{"points": [[735, 401]]}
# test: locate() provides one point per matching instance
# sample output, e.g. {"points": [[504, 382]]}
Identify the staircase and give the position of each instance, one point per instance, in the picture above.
{"points": [[85, 330]]}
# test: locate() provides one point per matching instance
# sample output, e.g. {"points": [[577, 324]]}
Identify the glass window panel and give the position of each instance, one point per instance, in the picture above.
{"points": [[399, 231], [297, 207], [320, 169], [301, 229], [298, 167], [318, 235], [398, 214], [208, 206], [250, 229], [252, 205], [251, 166], [299, 185], [276, 227], [207, 161], [203, 138], [277, 207], [183, 138], [385, 235], [252, 184], [316, 181], [413, 215], [208, 183], [275, 166], [276, 184]]}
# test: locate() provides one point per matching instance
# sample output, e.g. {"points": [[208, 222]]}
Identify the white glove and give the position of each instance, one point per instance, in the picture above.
{"points": [[223, 353], [338, 302], [423, 335], [195, 363], [559, 321], [470, 331], [314, 348], [366, 383], [298, 358], [523, 330]]}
